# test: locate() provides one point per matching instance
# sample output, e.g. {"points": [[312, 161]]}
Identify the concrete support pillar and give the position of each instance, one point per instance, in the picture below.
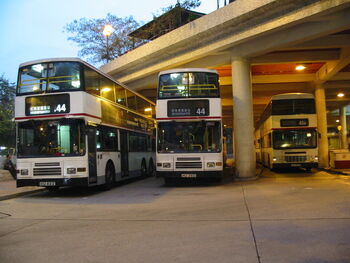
{"points": [[322, 126], [344, 129], [243, 123]]}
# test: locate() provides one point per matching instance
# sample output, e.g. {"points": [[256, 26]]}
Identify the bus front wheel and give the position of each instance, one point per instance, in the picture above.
{"points": [[109, 176]]}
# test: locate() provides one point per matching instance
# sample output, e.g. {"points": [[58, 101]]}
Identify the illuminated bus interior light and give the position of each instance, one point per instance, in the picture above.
{"points": [[38, 68], [76, 83], [106, 89], [148, 109], [340, 95], [300, 67], [174, 75]]}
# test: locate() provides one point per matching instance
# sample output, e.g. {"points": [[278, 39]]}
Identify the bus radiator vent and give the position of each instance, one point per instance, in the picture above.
{"points": [[47, 169], [295, 159], [188, 163], [185, 165]]}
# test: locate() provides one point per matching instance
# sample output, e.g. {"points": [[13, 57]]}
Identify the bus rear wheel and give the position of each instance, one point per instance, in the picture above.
{"points": [[143, 168]]}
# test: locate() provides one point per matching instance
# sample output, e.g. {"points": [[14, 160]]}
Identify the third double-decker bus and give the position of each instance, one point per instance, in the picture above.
{"points": [[287, 134], [76, 126], [189, 124]]}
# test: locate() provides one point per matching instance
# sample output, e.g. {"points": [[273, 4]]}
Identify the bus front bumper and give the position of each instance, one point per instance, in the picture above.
{"points": [[294, 165], [53, 182], [190, 174]]}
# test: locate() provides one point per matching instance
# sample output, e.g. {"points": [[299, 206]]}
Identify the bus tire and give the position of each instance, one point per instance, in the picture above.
{"points": [[151, 168], [169, 181], [52, 188], [109, 176], [143, 168]]}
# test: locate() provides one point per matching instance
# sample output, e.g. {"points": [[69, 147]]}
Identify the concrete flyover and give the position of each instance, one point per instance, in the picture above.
{"points": [[255, 45]]}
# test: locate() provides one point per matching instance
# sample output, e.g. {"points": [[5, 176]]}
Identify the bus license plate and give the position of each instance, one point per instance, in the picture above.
{"points": [[295, 164], [47, 183], [188, 175]]}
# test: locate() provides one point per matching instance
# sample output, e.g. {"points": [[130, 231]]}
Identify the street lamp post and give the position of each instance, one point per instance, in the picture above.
{"points": [[107, 31]]}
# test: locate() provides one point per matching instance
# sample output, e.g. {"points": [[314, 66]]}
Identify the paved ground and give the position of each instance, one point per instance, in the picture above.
{"points": [[8, 187], [290, 217]]}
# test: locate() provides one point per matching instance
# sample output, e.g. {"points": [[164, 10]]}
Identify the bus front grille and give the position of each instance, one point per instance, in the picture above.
{"points": [[54, 171], [47, 164], [186, 165], [188, 158], [295, 159]]}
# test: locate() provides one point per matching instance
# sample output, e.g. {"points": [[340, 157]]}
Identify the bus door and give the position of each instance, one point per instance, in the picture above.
{"points": [[92, 154], [124, 153]]}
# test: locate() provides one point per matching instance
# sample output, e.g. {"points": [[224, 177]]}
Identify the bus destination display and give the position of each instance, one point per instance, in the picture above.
{"points": [[294, 122], [181, 108], [52, 104]]}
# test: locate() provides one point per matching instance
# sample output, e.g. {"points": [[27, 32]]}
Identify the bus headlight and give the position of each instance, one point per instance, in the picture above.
{"points": [[274, 159], [166, 165], [71, 170], [210, 164], [24, 171], [316, 158]]}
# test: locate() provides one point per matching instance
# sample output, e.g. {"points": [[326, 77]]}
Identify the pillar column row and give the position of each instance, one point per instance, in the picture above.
{"points": [[320, 99], [344, 128], [243, 120]]}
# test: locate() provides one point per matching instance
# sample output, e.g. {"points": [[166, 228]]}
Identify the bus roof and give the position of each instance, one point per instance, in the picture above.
{"points": [[183, 70], [74, 59], [286, 96]]}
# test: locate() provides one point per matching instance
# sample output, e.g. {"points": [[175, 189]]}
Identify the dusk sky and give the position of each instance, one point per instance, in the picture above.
{"points": [[33, 29]]}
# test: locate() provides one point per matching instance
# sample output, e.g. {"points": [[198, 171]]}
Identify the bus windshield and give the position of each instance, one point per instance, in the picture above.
{"points": [[188, 137], [49, 77], [293, 106], [51, 138], [188, 84], [294, 139]]}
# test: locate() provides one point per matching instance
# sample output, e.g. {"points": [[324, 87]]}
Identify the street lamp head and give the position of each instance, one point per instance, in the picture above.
{"points": [[107, 30]]}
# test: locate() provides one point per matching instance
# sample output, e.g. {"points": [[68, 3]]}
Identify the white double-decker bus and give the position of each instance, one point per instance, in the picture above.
{"points": [[287, 135], [189, 125], [76, 126]]}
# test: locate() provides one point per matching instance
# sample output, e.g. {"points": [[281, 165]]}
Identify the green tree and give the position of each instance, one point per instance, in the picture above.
{"points": [[186, 4], [88, 34], [7, 106]]}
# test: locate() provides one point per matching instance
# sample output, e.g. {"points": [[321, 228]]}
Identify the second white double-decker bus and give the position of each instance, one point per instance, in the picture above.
{"points": [[287, 132], [76, 126], [189, 125]]}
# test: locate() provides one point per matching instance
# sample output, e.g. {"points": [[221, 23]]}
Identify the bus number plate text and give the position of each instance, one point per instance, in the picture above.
{"points": [[188, 175], [47, 183]]}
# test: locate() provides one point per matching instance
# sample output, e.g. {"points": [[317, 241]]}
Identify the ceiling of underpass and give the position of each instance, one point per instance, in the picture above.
{"points": [[316, 36]]}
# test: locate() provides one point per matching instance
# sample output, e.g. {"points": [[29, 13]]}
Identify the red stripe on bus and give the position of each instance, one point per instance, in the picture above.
{"points": [[295, 128], [187, 118], [57, 116]]}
